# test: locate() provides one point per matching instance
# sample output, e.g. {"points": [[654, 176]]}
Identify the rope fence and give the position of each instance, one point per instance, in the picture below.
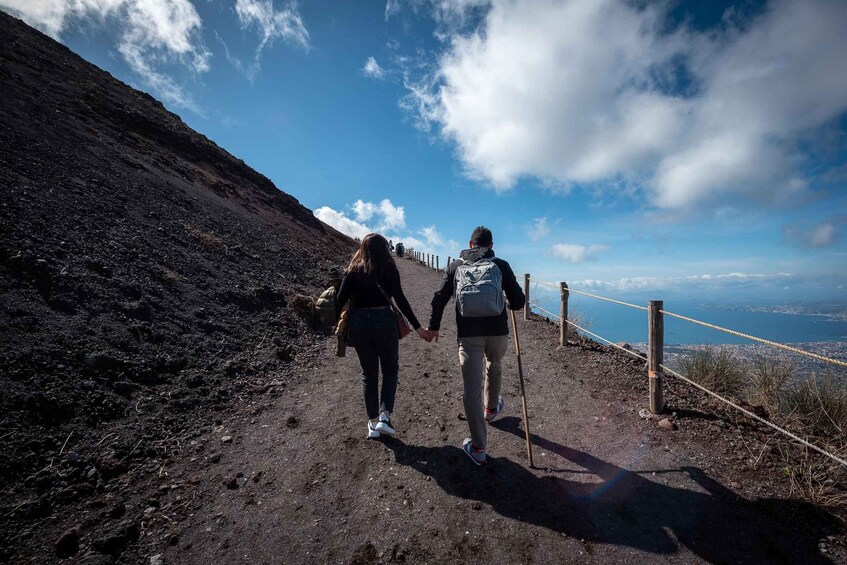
{"points": [[655, 365]]}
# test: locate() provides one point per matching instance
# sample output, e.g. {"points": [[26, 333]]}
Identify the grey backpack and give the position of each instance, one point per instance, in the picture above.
{"points": [[479, 289]]}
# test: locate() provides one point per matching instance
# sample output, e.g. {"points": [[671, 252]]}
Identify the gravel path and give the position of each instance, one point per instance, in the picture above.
{"points": [[609, 486]]}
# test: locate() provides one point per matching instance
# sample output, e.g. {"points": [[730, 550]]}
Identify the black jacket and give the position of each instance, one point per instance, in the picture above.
{"points": [[473, 327], [366, 294]]}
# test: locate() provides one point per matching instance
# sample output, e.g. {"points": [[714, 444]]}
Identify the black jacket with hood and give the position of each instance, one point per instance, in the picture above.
{"points": [[474, 327]]}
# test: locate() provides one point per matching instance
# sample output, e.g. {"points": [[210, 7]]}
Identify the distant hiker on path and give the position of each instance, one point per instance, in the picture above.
{"points": [[400, 249], [478, 279], [371, 280]]}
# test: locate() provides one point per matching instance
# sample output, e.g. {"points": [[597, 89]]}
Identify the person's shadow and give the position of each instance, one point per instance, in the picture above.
{"points": [[621, 507]]}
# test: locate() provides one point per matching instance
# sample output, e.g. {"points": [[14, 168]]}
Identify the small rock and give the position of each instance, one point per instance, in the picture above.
{"points": [[226, 439], [735, 485], [94, 558], [215, 458], [157, 560], [118, 510], [101, 361], [667, 424], [645, 414], [231, 483], [68, 543], [73, 457]]}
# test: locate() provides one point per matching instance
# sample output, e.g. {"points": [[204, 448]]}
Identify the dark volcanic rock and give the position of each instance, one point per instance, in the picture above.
{"points": [[146, 275]]}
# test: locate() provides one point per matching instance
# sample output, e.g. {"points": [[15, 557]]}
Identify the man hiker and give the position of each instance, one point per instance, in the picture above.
{"points": [[477, 280]]}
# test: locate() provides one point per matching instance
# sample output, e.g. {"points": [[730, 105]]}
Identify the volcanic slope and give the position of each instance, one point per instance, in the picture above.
{"points": [[145, 275]]}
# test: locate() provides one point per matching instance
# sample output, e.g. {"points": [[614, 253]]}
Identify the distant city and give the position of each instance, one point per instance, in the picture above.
{"points": [[803, 366], [836, 311]]}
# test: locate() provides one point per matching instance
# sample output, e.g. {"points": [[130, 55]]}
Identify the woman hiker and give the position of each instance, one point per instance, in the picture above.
{"points": [[371, 280]]}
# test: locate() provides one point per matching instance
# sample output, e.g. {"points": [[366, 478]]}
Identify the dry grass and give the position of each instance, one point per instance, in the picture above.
{"points": [[815, 408], [766, 381], [818, 406], [716, 369]]}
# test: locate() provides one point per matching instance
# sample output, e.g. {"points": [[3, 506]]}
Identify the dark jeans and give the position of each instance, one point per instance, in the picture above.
{"points": [[374, 335]]}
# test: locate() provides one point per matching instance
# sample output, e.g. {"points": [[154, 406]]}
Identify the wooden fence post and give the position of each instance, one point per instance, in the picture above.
{"points": [[563, 314], [526, 294], [437, 267], [655, 355]]}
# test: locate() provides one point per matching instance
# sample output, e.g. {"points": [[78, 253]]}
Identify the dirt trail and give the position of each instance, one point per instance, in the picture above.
{"points": [[609, 486]]}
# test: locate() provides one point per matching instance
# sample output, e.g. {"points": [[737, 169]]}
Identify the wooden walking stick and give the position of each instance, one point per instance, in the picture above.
{"points": [[523, 391]]}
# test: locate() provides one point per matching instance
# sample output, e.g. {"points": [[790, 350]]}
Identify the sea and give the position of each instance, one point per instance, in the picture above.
{"points": [[819, 328], [788, 323]]}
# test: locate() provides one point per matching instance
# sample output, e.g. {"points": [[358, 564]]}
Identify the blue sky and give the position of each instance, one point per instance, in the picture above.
{"points": [[683, 148]]}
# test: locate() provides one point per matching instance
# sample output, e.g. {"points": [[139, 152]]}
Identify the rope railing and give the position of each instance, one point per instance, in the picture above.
{"points": [[656, 368], [759, 419], [763, 341]]}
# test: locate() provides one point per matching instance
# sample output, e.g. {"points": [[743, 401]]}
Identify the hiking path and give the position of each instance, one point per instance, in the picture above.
{"points": [[291, 477]]}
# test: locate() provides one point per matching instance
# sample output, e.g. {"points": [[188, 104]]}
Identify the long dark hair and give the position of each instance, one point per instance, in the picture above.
{"points": [[373, 258]]}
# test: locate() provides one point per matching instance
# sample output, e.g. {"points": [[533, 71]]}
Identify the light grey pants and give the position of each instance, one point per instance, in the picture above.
{"points": [[479, 358]]}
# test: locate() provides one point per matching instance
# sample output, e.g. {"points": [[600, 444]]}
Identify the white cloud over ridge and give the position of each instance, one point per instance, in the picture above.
{"points": [[576, 92], [389, 220], [153, 34], [388, 216]]}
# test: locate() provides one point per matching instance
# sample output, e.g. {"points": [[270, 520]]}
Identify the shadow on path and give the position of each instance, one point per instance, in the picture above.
{"points": [[623, 508]]}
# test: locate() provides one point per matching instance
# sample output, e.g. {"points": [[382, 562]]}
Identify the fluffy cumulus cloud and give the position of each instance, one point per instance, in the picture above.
{"points": [[153, 34], [388, 219], [372, 69], [576, 253], [574, 92], [270, 24], [387, 216], [342, 222]]}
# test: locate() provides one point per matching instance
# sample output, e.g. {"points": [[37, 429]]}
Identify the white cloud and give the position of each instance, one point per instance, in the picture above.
{"points": [[372, 69], [342, 223], [388, 218], [591, 92], [393, 217], [364, 210], [539, 229], [271, 24], [392, 8], [432, 236], [724, 280], [153, 33], [818, 236], [575, 253]]}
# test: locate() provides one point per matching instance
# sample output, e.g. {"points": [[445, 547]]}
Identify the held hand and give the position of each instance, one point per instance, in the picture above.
{"points": [[433, 334], [424, 334]]}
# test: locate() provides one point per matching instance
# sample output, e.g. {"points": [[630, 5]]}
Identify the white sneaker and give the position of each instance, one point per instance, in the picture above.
{"points": [[373, 432], [384, 426]]}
